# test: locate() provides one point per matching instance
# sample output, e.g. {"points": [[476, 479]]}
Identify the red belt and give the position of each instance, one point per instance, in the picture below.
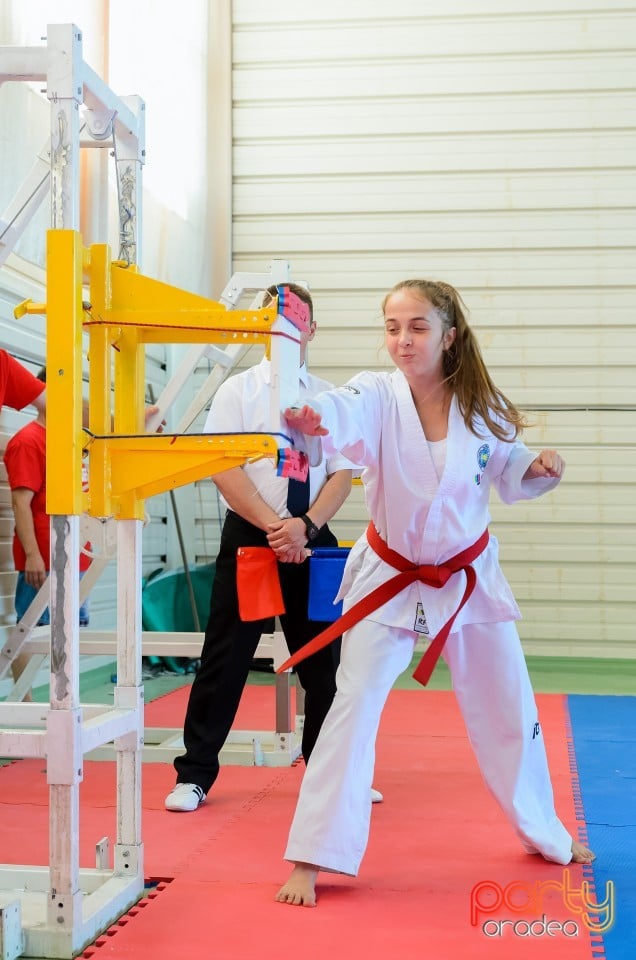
{"points": [[432, 575]]}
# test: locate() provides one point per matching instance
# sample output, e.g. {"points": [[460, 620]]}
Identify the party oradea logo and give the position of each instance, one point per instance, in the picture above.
{"points": [[523, 909]]}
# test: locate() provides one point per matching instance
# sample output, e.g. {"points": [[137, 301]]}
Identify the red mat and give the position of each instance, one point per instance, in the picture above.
{"points": [[435, 837]]}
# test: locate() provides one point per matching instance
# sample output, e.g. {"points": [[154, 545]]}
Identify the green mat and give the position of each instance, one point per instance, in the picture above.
{"points": [[548, 674]]}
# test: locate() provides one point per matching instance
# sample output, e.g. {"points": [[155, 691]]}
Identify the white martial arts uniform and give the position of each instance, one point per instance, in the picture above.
{"points": [[372, 420]]}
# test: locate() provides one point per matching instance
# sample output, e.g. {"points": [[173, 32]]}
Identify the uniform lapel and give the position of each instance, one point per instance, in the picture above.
{"points": [[455, 448], [415, 453]]}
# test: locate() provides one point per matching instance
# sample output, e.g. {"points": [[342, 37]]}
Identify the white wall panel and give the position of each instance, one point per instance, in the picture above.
{"points": [[462, 191]]}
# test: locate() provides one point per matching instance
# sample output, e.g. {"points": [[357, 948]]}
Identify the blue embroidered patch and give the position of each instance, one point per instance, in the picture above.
{"points": [[483, 456]]}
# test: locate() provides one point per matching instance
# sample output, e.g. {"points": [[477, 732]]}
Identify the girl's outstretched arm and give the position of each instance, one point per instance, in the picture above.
{"points": [[305, 420], [548, 464]]}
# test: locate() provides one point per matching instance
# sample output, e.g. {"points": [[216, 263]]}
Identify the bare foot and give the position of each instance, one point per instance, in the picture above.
{"points": [[300, 889], [581, 854]]}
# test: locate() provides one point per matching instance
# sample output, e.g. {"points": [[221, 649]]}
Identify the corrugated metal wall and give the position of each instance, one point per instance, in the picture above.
{"points": [[489, 143]]}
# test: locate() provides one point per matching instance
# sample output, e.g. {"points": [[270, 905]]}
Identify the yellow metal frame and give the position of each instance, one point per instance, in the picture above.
{"points": [[125, 312]]}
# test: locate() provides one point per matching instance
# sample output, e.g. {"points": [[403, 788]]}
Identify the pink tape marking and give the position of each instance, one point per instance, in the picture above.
{"points": [[293, 308], [292, 464]]}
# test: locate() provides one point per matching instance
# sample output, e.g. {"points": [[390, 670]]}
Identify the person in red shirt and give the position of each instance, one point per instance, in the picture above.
{"points": [[25, 461], [18, 387]]}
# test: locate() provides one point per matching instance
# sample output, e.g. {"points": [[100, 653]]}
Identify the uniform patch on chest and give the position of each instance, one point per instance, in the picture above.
{"points": [[483, 456], [420, 625]]}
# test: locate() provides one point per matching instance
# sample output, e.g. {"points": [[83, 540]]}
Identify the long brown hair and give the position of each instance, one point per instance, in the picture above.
{"points": [[463, 365]]}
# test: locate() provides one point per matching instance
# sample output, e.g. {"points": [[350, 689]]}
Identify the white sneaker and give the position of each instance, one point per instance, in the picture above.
{"points": [[185, 797], [376, 796]]}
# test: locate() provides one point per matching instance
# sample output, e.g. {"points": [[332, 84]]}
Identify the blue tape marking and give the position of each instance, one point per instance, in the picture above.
{"points": [[604, 737]]}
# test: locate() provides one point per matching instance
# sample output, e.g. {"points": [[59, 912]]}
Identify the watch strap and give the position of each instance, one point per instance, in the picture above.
{"points": [[312, 529]]}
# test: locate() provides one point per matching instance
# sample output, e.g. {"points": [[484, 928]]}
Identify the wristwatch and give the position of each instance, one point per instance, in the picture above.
{"points": [[312, 529]]}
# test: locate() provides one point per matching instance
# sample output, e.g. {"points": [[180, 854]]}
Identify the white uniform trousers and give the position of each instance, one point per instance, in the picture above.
{"points": [[331, 825]]}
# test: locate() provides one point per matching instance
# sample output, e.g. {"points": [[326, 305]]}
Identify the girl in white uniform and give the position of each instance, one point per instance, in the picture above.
{"points": [[432, 437]]}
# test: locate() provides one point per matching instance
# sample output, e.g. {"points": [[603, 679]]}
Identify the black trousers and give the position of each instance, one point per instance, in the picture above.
{"points": [[229, 648]]}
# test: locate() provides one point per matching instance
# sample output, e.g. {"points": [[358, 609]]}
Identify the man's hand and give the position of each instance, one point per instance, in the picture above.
{"points": [[287, 538], [149, 413], [293, 556], [548, 464], [35, 572]]}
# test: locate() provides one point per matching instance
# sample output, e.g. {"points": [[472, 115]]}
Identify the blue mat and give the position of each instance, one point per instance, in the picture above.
{"points": [[604, 737]]}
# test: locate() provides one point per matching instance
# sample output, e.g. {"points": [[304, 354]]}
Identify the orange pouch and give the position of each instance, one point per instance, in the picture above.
{"points": [[257, 583]]}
